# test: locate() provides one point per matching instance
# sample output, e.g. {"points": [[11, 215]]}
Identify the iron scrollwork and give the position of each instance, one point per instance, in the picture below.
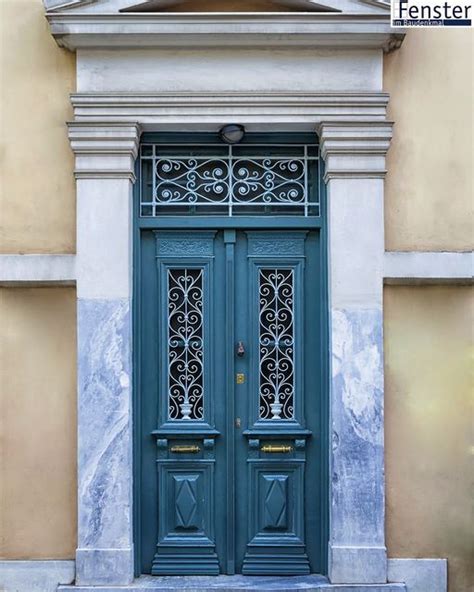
{"points": [[185, 344], [229, 184], [276, 343]]}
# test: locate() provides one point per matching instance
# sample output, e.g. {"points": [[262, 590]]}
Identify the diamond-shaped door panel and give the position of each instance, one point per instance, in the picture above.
{"points": [[276, 519], [186, 504], [186, 543], [276, 501]]}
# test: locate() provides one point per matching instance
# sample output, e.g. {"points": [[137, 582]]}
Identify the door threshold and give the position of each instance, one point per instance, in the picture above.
{"points": [[237, 583]]}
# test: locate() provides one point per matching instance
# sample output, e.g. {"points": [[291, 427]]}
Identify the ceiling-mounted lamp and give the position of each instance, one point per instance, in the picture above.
{"points": [[232, 133]]}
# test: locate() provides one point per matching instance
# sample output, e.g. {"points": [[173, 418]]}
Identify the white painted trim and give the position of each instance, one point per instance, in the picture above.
{"points": [[428, 267], [35, 576], [21, 270], [420, 575]]}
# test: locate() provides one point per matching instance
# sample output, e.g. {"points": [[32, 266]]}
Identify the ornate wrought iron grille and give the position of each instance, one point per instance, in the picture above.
{"points": [[229, 180], [185, 344], [276, 343]]}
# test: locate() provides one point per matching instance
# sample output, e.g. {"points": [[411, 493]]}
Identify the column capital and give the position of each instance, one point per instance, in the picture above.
{"points": [[104, 149], [355, 149]]}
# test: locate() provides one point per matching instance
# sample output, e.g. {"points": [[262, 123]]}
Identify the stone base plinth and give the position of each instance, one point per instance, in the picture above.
{"points": [[310, 583]]}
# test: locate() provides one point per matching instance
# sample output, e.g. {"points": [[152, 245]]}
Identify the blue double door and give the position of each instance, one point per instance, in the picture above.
{"points": [[231, 414]]}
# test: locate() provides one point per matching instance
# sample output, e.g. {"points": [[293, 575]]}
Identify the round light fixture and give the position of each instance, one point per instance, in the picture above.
{"points": [[232, 133]]}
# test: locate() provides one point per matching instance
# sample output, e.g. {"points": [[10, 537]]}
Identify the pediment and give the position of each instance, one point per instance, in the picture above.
{"points": [[351, 7]]}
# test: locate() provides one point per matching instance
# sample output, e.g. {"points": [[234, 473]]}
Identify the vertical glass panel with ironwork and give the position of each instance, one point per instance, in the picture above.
{"points": [[276, 343], [185, 344]]}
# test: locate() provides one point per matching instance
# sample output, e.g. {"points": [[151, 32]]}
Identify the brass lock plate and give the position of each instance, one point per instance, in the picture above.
{"points": [[240, 378]]}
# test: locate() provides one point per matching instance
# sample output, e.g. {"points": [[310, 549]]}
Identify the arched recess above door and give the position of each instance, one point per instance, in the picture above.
{"points": [[230, 6]]}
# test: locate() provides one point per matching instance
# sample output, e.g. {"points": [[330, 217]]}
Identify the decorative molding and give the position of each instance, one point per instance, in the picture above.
{"points": [[196, 244], [173, 108], [291, 244], [428, 267], [37, 270], [355, 149], [116, 174], [79, 30], [104, 149]]}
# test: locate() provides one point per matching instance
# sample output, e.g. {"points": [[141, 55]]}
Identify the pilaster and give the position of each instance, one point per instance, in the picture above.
{"points": [[105, 155], [354, 154]]}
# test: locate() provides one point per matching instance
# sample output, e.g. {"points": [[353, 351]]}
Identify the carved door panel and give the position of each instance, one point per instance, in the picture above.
{"points": [[231, 414]]}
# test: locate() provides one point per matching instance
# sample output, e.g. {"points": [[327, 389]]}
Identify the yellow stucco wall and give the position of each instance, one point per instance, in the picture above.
{"points": [[428, 199], [37, 201], [37, 423], [428, 426]]}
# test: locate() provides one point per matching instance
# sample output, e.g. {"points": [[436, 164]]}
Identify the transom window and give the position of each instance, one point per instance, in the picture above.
{"points": [[217, 179]]}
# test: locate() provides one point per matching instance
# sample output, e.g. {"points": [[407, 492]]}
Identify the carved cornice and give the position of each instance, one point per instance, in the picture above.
{"points": [[104, 149], [171, 108], [74, 30], [355, 149]]}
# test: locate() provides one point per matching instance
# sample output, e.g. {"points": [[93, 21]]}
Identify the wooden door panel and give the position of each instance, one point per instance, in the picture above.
{"points": [[186, 543], [186, 432], [232, 352], [274, 449]]}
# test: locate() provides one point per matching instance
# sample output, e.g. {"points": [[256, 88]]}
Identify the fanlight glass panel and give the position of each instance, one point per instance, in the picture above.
{"points": [[276, 344], [185, 344], [229, 180]]}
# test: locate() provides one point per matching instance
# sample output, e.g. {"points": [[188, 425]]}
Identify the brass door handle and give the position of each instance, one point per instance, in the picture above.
{"points": [[185, 449], [272, 448]]}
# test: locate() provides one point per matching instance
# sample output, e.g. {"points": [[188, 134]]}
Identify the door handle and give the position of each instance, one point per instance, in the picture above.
{"points": [[240, 349], [185, 449], [275, 449]]}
